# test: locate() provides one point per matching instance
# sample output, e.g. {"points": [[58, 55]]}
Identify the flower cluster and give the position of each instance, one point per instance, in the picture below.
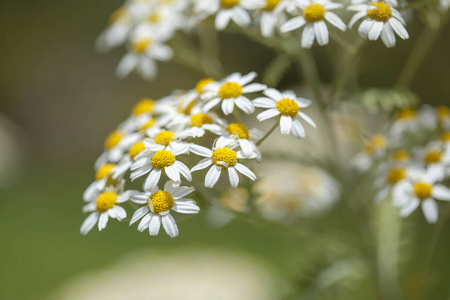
{"points": [[146, 26], [419, 175], [159, 138]]}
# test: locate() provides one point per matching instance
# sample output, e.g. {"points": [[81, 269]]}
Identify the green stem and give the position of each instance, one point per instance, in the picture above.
{"points": [[268, 133]]}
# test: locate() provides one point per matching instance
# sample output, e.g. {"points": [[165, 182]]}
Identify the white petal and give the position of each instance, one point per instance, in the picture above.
{"points": [[297, 129], [154, 225], [200, 150], [307, 119], [308, 36], [228, 106], [126, 65], [185, 208], [356, 17], [144, 222], [245, 171], [173, 173], [102, 221], [388, 36], [169, 225], [222, 19], [364, 28], [293, 24], [240, 16], [273, 94], [245, 105], [321, 32], [264, 102], [375, 31], [147, 68], [430, 210], [254, 87], [441, 192], [210, 104], [335, 20], [180, 192], [203, 164], [139, 213], [267, 114], [409, 207], [184, 170], [89, 223], [399, 28], [285, 125], [233, 176], [212, 176], [152, 179]]}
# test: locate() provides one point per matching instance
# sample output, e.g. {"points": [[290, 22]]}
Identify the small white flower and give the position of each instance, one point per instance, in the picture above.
{"points": [[124, 165], [381, 19], [272, 15], [144, 49], [286, 105], [222, 157], [120, 24], [421, 189], [164, 139], [392, 176], [231, 91], [158, 205], [315, 12], [104, 206], [103, 178], [198, 124], [244, 137], [374, 148], [227, 10], [161, 161]]}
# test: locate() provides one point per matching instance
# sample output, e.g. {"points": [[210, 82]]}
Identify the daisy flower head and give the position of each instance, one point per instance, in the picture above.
{"points": [[120, 23], [200, 123], [406, 119], [227, 10], [437, 157], [286, 106], [144, 48], [103, 178], [161, 161], [136, 151], [222, 157], [315, 13], [104, 205], [422, 188], [244, 137], [159, 203], [392, 176], [272, 15], [230, 92], [380, 19]]}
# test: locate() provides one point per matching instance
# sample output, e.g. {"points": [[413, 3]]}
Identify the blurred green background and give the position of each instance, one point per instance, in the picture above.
{"points": [[59, 99]]}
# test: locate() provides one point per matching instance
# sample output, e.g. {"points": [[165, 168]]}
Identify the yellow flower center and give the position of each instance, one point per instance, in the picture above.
{"points": [[143, 106], [202, 83], [407, 113], [288, 107], [395, 175], [116, 15], [200, 119], [147, 125], [443, 113], [423, 190], [162, 159], [136, 149], [224, 155], [230, 90], [445, 137], [400, 156], [377, 142], [271, 4], [106, 201], [433, 156], [383, 12], [140, 45], [161, 201], [229, 3], [314, 12], [113, 139], [104, 171], [153, 18], [164, 138], [182, 109], [239, 130]]}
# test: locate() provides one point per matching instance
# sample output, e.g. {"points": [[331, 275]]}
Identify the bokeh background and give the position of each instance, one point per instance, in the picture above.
{"points": [[59, 99]]}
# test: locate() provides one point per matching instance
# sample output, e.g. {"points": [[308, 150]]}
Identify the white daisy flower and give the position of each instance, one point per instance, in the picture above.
{"points": [[144, 49], [286, 105], [198, 124], [164, 139], [161, 161], [381, 19], [120, 24], [315, 12], [227, 10], [272, 15], [391, 178], [421, 189], [245, 138], [105, 205], [222, 158], [374, 148], [116, 144], [103, 178], [194, 95], [437, 157], [124, 165], [159, 203], [231, 91], [406, 119]]}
